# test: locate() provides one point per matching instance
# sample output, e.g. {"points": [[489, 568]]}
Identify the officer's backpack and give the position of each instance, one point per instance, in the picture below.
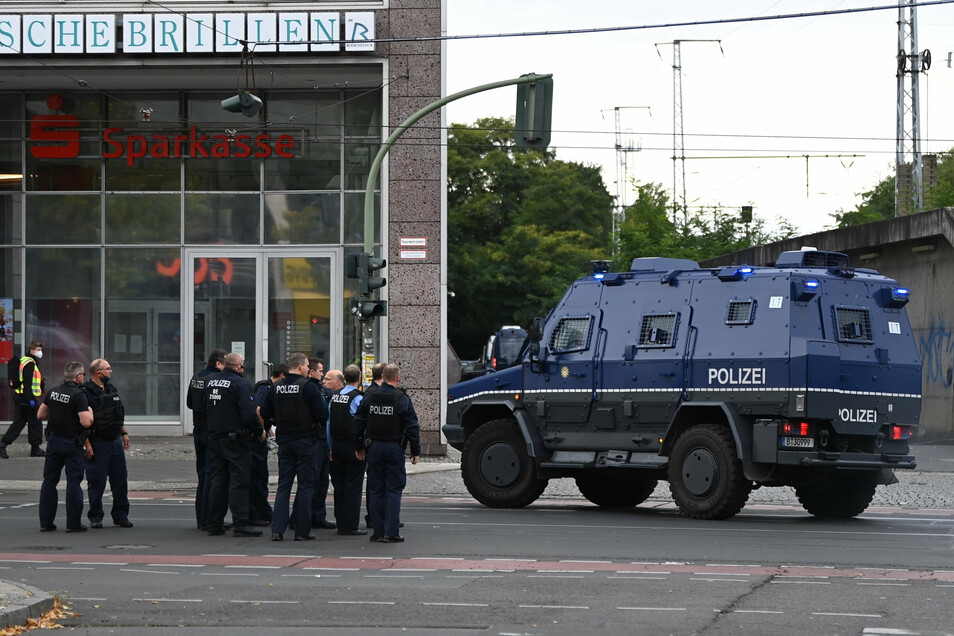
{"points": [[13, 372]]}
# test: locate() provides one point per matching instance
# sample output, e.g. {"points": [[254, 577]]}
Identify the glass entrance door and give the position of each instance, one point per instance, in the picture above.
{"points": [[264, 305]]}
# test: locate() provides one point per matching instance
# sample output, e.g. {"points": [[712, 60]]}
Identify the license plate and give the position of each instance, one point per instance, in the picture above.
{"points": [[798, 442]]}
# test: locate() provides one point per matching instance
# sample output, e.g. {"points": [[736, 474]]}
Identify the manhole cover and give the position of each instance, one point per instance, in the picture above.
{"points": [[128, 546], [41, 548]]}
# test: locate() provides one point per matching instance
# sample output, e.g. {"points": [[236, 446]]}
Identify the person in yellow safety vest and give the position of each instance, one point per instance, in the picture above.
{"points": [[27, 392]]}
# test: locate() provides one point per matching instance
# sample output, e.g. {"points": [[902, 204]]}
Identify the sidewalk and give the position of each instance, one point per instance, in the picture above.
{"points": [[19, 603]]}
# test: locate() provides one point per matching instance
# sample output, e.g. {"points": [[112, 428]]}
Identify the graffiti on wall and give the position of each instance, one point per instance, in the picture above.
{"points": [[937, 354]]}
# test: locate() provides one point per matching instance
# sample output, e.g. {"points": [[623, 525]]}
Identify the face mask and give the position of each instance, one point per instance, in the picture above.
{"points": [[39, 354], [106, 379]]}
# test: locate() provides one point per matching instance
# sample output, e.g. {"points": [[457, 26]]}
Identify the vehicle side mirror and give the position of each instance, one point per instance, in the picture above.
{"points": [[535, 333], [534, 336]]}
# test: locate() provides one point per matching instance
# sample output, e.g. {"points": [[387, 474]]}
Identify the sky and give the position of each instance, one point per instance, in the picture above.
{"points": [[812, 86]]}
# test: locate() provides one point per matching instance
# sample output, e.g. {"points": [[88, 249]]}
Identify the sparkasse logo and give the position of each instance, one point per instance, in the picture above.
{"points": [[58, 137]]}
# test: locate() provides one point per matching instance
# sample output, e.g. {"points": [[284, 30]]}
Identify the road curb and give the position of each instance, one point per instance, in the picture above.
{"points": [[19, 603]]}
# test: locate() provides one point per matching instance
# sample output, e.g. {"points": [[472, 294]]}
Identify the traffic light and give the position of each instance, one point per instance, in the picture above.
{"points": [[366, 309], [534, 113], [244, 102], [367, 266]]}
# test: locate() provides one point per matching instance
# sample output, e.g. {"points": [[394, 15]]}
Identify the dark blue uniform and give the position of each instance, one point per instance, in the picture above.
{"points": [[195, 400], [299, 410], [109, 457], [347, 471], [259, 510], [232, 420], [386, 417], [319, 508], [63, 449]]}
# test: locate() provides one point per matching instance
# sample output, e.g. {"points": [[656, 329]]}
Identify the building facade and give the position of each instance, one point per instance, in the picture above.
{"points": [[143, 222]]}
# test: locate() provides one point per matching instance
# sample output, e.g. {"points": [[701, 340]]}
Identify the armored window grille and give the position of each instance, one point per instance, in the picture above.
{"points": [[571, 334], [657, 330], [741, 312], [854, 324]]}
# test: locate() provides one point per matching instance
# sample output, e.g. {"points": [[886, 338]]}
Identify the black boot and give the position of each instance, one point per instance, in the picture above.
{"points": [[36, 451], [3, 451]]}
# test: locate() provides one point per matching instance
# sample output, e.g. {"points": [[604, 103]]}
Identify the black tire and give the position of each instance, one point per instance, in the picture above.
{"points": [[837, 496], [608, 491], [497, 469], [705, 474]]}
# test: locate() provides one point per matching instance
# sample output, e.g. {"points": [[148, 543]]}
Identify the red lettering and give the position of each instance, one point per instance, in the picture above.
{"points": [[112, 143], [49, 128], [284, 146], [196, 143], [179, 139], [221, 148], [264, 149], [244, 150], [160, 147], [136, 148]]}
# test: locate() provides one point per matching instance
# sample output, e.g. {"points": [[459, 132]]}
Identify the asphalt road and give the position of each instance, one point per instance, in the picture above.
{"points": [[560, 566]]}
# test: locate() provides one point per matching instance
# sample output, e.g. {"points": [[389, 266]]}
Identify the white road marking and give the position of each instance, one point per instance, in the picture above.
{"points": [[582, 607], [654, 609], [169, 600], [846, 614], [362, 603], [456, 604], [146, 571]]}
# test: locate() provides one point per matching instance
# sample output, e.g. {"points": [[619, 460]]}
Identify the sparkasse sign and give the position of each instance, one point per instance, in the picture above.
{"points": [[58, 137], [191, 33]]}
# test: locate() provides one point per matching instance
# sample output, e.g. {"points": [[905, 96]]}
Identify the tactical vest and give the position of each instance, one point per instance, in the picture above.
{"points": [[384, 423], [64, 420], [291, 412], [108, 414], [200, 415], [342, 422]]}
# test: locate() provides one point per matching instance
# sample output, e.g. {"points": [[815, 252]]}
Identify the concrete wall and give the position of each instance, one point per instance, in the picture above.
{"points": [[917, 251], [414, 207]]}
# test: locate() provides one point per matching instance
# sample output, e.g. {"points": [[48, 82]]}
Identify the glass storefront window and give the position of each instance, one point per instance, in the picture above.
{"points": [[145, 113], [302, 218], [142, 218], [11, 116], [143, 328], [11, 177], [222, 219], [10, 230], [319, 114], [362, 114], [62, 308], [231, 175], [159, 175], [10, 261], [354, 217], [319, 168], [74, 133], [63, 219], [357, 160]]}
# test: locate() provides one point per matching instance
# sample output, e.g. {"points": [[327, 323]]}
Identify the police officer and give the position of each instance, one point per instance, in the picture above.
{"points": [[376, 370], [385, 418], [70, 417], [347, 471], [195, 400], [27, 390], [298, 409], [106, 448], [232, 419], [319, 509], [259, 510]]}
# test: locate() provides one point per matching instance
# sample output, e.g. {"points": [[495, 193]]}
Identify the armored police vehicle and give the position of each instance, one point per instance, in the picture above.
{"points": [[804, 374]]}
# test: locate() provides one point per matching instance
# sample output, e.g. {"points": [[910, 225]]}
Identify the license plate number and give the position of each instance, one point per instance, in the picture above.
{"points": [[798, 442]]}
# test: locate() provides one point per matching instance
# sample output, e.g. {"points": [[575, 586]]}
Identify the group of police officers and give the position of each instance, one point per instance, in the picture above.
{"points": [[325, 427], [86, 435]]}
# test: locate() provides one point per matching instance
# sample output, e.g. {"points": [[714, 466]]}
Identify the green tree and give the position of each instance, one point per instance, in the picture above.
{"points": [[647, 230], [876, 204], [521, 226]]}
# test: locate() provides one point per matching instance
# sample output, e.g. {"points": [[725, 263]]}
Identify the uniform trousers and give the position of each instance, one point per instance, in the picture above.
{"points": [[347, 476], [200, 440], [62, 452], [387, 478], [25, 416], [296, 458], [229, 475], [258, 507], [319, 509], [108, 462]]}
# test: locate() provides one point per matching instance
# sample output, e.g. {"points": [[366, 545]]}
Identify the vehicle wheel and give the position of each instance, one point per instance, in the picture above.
{"points": [[705, 474], [496, 468], [837, 496], [610, 492]]}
